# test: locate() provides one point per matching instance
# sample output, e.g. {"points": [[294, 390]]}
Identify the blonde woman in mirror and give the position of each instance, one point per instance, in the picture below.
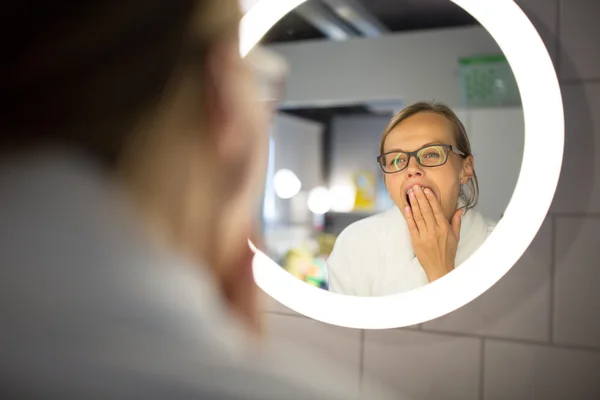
{"points": [[429, 173]]}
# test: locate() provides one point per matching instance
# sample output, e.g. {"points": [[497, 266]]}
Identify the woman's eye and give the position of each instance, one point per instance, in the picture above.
{"points": [[431, 155]]}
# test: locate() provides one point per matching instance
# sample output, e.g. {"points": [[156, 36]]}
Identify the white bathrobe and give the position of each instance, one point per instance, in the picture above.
{"points": [[375, 257]]}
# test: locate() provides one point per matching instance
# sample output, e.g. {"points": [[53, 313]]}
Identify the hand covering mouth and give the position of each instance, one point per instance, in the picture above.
{"points": [[409, 190]]}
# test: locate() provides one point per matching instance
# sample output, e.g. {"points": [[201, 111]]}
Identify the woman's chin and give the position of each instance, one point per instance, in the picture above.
{"points": [[402, 205]]}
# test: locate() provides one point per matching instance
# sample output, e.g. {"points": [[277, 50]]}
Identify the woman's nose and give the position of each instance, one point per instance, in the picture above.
{"points": [[413, 169]]}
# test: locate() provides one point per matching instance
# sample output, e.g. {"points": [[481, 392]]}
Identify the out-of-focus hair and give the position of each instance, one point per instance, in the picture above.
{"points": [[93, 75], [85, 73]]}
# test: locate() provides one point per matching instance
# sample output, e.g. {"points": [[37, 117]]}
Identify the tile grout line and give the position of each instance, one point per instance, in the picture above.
{"points": [[575, 215], [361, 363], [557, 40], [482, 370], [577, 81], [527, 342], [553, 223]]}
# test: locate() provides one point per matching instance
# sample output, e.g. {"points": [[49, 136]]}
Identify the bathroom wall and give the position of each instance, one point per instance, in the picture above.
{"points": [[401, 66], [536, 333], [297, 146]]}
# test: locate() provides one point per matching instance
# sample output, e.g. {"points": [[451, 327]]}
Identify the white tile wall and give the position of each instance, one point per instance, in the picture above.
{"points": [[516, 307], [268, 304], [329, 342], [579, 186], [580, 53], [516, 371], [517, 312], [423, 365], [544, 16], [577, 281]]}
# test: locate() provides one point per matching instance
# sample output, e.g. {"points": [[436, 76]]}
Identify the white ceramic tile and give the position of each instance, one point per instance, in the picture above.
{"points": [[544, 16], [579, 33], [422, 365], [579, 186], [577, 281], [269, 304], [334, 344], [518, 306], [526, 372]]}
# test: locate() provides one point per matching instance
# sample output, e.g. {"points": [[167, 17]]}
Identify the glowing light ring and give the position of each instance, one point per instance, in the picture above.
{"points": [[544, 126]]}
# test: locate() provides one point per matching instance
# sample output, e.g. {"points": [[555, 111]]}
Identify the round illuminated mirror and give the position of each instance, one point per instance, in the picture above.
{"points": [[405, 176]]}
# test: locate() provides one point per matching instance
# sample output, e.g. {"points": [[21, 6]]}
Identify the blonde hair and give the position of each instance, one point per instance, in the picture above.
{"points": [[469, 196]]}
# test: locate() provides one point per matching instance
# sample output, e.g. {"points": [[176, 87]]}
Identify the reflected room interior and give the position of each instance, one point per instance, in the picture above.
{"points": [[322, 172]]}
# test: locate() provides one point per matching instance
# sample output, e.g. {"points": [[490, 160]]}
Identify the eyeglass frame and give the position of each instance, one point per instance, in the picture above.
{"points": [[411, 154]]}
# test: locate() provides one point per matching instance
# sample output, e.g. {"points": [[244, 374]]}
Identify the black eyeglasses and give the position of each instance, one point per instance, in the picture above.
{"points": [[428, 156]]}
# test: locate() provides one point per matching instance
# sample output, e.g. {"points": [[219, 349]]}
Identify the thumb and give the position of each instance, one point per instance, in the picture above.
{"points": [[456, 221]]}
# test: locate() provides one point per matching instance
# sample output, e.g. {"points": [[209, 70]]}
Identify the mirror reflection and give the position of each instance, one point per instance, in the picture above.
{"points": [[395, 149]]}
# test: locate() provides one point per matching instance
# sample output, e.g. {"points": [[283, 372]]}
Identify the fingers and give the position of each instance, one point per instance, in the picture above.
{"points": [[417, 212], [438, 214], [412, 226], [456, 222], [424, 205]]}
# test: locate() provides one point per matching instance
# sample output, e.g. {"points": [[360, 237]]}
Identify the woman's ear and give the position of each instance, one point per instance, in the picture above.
{"points": [[468, 168]]}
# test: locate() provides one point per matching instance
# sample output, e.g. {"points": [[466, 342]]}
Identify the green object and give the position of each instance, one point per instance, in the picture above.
{"points": [[487, 81]]}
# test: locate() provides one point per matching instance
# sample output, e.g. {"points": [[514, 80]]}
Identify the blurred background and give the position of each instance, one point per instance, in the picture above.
{"points": [[353, 65]]}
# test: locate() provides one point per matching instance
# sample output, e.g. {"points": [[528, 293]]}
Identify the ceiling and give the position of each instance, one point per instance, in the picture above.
{"points": [[394, 15], [324, 114], [326, 20]]}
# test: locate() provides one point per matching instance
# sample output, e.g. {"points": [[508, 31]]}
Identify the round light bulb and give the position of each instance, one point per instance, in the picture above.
{"points": [[286, 184], [318, 200], [342, 198]]}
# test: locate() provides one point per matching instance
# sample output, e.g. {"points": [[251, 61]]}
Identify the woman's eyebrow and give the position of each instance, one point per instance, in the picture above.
{"points": [[406, 151]]}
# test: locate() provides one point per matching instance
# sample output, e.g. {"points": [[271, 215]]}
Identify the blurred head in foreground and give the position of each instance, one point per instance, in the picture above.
{"points": [[155, 93], [158, 94]]}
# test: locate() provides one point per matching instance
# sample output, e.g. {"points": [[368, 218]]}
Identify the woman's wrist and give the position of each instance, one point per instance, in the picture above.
{"points": [[437, 273]]}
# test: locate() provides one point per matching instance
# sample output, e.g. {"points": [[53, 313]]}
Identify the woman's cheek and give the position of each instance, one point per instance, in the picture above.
{"points": [[394, 187]]}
